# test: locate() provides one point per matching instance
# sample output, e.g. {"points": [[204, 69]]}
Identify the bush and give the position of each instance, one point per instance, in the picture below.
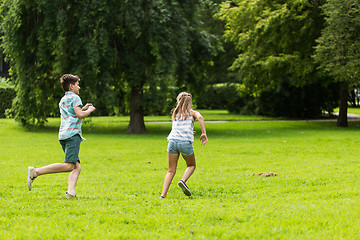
{"points": [[219, 96], [297, 102], [159, 100], [7, 94], [285, 100]]}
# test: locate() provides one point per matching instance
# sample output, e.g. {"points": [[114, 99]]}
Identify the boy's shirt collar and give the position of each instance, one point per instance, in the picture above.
{"points": [[70, 93]]}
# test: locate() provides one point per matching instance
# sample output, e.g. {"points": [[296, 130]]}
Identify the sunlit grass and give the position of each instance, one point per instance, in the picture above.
{"points": [[314, 195], [352, 110]]}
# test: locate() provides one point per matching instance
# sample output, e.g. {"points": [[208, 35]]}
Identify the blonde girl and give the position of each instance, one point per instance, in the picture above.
{"points": [[180, 140]]}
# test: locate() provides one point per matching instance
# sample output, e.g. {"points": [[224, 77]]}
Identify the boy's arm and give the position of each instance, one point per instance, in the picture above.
{"points": [[83, 114], [86, 106], [203, 137]]}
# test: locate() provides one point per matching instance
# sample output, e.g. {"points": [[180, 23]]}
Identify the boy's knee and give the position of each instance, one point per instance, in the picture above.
{"points": [[70, 166]]}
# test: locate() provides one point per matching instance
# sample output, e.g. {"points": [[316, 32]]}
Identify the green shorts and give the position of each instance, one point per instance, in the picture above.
{"points": [[71, 148]]}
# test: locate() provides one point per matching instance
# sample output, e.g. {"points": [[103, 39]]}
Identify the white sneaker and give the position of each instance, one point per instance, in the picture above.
{"points": [[68, 195], [31, 177], [185, 188]]}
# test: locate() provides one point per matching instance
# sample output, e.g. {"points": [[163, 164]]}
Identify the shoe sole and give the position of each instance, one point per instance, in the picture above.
{"points": [[185, 189]]}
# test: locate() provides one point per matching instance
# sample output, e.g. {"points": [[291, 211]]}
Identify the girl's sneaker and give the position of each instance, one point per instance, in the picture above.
{"points": [[185, 188]]}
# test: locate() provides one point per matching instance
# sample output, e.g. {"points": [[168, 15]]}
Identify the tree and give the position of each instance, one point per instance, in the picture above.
{"points": [[44, 39], [275, 41], [111, 44], [338, 47], [158, 37]]}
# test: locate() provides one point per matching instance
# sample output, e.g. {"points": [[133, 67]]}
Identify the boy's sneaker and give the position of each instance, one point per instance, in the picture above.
{"points": [[185, 188], [31, 177], [68, 195]]}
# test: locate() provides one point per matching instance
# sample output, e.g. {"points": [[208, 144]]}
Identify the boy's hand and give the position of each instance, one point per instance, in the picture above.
{"points": [[91, 108], [203, 139], [86, 106]]}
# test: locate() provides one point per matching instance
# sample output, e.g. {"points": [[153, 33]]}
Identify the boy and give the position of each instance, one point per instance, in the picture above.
{"points": [[72, 112]]}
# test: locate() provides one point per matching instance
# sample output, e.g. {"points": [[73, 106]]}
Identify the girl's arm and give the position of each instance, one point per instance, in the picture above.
{"points": [[203, 137]]}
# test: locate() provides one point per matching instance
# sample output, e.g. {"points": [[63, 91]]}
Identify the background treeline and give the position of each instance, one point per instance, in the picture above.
{"points": [[290, 58]]}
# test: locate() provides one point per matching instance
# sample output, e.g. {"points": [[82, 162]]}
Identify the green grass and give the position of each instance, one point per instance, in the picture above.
{"points": [[352, 110], [209, 115], [314, 196]]}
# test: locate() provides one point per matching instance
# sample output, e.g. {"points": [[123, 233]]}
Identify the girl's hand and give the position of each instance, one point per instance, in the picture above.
{"points": [[86, 106], [203, 139]]}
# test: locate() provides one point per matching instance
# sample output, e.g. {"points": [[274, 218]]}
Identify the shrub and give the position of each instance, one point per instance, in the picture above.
{"points": [[297, 102], [219, 96], [7, 94], [285, 100], [159, 100]]}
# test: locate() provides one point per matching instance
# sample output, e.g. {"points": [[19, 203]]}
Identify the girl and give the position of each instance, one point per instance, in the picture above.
{"points": [[180, 140]]}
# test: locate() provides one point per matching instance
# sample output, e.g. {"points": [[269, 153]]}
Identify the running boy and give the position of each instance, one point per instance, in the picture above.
{"points": [[180, 140], [72, 112]]}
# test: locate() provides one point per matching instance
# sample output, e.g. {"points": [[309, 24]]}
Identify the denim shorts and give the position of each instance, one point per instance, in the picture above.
{"points": [[179, 146], [71, 148]]}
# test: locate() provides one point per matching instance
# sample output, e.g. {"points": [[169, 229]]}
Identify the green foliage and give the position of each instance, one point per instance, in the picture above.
{"points": [[337, 50], [7, 95], [286, 100], [274, 40], [159, 100], [115, 47], [221, 96], [308, 101], [315, 194]]}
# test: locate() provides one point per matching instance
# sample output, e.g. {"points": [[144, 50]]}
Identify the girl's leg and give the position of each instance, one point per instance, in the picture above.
{"points": [[191, 165], [173, 160], [73, 178], [55, 168]]}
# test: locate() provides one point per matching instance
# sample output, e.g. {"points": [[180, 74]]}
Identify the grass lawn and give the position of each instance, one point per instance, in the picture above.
{"points": [[352, 110], [314, 196], [209, 115]]}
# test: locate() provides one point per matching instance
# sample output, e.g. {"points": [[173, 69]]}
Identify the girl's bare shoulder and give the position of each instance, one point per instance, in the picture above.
{"points": [[194, 113]]}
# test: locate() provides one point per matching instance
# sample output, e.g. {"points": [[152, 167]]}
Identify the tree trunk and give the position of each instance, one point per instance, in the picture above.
{"points": [[342, 120], [137, 124]]}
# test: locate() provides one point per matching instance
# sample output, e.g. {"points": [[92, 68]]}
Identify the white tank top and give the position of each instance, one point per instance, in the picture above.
{"points": [[182, 129]]}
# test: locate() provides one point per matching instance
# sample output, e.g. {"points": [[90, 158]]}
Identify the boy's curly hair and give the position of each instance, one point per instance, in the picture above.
{"points": [[66, 79]]}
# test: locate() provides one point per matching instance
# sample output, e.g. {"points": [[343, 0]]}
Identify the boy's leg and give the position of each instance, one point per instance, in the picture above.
{"points": [[55, 168], [173, 160], [191, 165], [73, 178]]}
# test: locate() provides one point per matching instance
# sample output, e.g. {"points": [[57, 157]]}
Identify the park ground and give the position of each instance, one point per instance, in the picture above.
{"points": [[315, 194]]}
